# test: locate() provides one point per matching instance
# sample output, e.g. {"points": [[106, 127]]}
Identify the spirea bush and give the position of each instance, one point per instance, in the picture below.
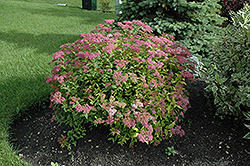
{"points": [[124, 77], [228, 75]]}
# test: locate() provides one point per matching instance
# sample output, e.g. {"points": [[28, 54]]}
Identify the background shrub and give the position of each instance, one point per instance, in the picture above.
{"points": [[126, 78], [193, 23], [229, 75]]}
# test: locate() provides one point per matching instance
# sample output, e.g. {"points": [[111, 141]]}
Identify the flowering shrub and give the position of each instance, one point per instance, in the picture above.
{"points": [[123, 76]]}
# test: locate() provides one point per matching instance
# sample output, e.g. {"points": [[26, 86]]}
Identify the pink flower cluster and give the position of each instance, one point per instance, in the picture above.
{"points": [[115, 131], [57, 55], [112, 111], [118, 77], [145, 136], [86, 108], [177, 130], [138, 104], [56, 97], [133, 77], [129, 122], [121, 63]]}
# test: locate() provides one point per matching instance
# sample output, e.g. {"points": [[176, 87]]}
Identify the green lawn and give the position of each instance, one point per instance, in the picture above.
{"points": [[30, 32]]}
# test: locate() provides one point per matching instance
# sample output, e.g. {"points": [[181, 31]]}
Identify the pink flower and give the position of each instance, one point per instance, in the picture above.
{"points": [[176, 118], [109, 70], [56, 97], [74, 99], [171, 37], [138, 22], [107, 84], [101, 71], [94, 55], [129, 122], [109, 48], [181, 59], [127, 22], [153, 110], [117, 34], [106, 29], [57, 55], [112, 111], [115, 131], [177, 130], [79, 108], [93, 31], [99, 120], [186, 74], [121, 25], [121, 63], [134, 106], [101, 25], [82, 54], [109, 21], [180, 67], [134, 77], [118, 77], [158, 129], [48, 80], [85, 71], [153, 83], [86, 108], [110, 35], [145, 136], [55, 69], [147, 28], [110, 120]]}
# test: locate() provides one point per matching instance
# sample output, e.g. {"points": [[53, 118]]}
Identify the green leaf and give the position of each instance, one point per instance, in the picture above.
{"points": [[170, 126], [248, 126], [247, 136]]}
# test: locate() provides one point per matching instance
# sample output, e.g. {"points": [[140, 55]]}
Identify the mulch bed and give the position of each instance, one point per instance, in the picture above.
{"points": [[208, 141]]}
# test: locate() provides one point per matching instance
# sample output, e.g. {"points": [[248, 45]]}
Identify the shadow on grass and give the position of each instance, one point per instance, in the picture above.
{"points": [[48, 43]]}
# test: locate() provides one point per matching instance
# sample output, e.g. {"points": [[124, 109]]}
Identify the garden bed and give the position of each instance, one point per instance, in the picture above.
{"points": [[208, 141]]}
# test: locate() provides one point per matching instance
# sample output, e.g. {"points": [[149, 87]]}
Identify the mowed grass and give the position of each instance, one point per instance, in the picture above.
{"points": [[30, 32]]}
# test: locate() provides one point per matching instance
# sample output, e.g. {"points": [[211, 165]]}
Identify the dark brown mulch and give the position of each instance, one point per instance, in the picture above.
{"points": [[208, 141]]}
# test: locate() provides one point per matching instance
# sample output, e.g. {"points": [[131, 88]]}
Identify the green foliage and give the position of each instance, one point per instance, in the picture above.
{"points": [[104, 5], [54, 164], [229, 75], [193, 23], [170, 151], [122, 76]]}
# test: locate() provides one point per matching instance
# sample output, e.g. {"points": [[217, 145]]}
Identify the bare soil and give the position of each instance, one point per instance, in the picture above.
{"points": [[208, 141]]}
